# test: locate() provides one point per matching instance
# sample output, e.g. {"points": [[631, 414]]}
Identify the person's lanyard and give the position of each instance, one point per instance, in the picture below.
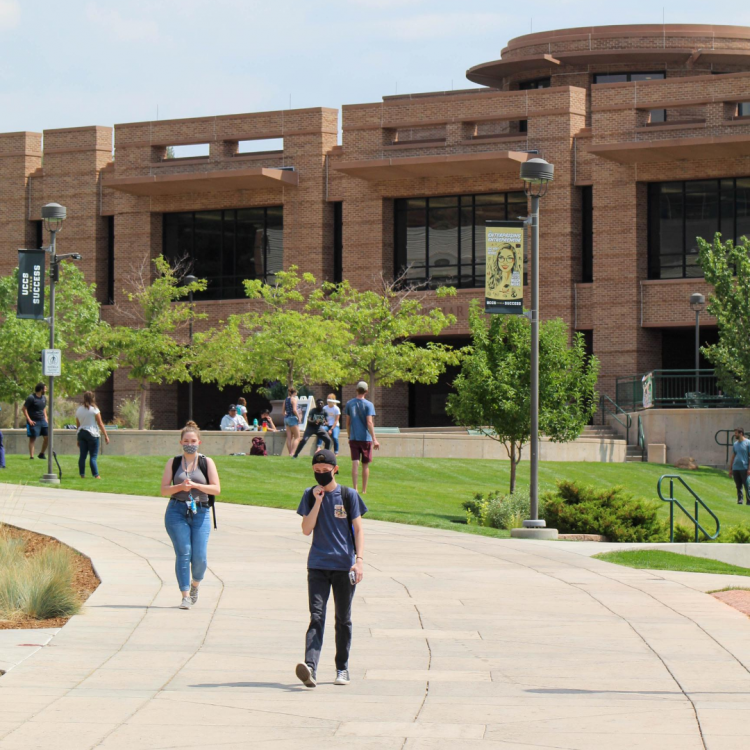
{"points": [[189, 474]]}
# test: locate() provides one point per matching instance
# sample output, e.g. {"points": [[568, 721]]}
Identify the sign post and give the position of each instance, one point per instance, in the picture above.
{"points": [[503, 286]]}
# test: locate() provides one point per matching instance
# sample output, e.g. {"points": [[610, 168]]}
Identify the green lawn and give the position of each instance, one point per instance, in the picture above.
{"points": [[660, 560], [424, 491]]}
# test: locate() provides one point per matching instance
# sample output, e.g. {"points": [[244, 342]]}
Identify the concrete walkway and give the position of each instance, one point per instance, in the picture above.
{"points": [[460, 642]]}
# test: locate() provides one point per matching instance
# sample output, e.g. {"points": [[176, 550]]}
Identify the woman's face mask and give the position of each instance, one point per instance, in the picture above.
{"points": [[190, 448]]}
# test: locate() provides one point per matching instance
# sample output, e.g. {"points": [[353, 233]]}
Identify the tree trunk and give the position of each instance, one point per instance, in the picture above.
{"points": [[290, 376], [15, 414], [513, 465], [142, 410]]}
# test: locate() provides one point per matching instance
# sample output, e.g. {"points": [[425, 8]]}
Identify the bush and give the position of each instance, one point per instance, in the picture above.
{"points": [[498, 511], [65, 412], [6, 415], [736, 534], [128, 412], [612, 512], [683, 532]]}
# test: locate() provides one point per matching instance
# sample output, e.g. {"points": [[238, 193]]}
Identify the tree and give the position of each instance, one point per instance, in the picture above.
{"points": [[280, 341], [493, 389], [382, 323], [727, 267], [79, 333], [148, 346]]}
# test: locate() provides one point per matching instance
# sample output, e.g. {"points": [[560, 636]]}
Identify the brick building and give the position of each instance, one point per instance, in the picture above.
{"points": [[648, 128]]}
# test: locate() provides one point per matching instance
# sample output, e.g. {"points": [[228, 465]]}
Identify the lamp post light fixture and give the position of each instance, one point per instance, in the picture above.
{"points": [[697, 303], [190, 279], [536, 175]]}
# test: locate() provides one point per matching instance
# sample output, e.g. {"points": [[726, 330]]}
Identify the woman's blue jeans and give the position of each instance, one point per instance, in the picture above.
{"points": [[335, 436], [87, 444], [189, 535]]}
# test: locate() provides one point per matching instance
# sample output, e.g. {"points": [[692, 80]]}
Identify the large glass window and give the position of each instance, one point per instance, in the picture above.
{"points": [[226, 247], [743, 109], [537, 83], [587, 234], [441, 240], [680, 212]]}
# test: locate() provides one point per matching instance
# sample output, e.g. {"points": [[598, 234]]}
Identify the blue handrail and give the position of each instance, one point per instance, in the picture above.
{"points": [[672, 501], [728, 442], [641, 438]]}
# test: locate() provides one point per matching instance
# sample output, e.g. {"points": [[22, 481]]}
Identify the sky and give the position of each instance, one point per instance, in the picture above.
{"points": [[68, 63]]}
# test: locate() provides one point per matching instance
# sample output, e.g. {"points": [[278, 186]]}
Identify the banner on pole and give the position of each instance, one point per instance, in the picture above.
{"points": [[31, 265], [503, 290]]}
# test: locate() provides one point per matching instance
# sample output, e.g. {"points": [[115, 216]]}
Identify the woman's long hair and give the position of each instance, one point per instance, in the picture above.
{"points": [[88, 399], [496, 274]]}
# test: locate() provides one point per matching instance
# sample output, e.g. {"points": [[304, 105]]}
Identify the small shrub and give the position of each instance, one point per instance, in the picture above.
{"points": [[7, 412], [619, 516], [128, 412], [736, 534], [684, 533], [497, 510], [65, 412]]}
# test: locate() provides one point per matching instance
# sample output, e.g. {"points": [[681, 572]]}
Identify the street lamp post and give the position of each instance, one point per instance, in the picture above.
{"points": [[697, 303], [536, 174], [190, 279]]}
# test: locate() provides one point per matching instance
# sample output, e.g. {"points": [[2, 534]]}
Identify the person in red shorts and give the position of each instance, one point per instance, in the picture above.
{"points": [[361, 430]]}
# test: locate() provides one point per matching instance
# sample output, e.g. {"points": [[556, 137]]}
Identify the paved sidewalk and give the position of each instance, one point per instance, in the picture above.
{"points": [[460, 642]]}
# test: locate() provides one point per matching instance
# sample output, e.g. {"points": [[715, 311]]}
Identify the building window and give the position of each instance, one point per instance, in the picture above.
{"points": [[537, 83], [39, 233], [338, 242], [110, 260], [656, 115], [679, 212], [226, 247], [587, 234], [743, 109], [441, 240]]}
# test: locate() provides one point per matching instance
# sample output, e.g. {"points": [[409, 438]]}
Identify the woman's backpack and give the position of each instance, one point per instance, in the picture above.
{"points": [[258, 447], [203, 466]]}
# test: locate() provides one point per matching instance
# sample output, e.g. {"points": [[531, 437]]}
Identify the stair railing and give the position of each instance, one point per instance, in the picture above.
{"points": [[641, 438], [698, 502], [728, 442], [608, 406]]}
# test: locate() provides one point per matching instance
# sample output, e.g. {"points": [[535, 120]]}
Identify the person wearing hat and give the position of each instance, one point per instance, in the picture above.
{"points": [[361, 429], [316, 425], [333, 515], [232, 421], [334, 415]]}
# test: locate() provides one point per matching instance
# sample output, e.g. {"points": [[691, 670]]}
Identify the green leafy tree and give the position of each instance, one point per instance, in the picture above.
{"points": [[279, 341], [148, 346], [727, 267], [493, 389], [382, 323], [79, 333]]}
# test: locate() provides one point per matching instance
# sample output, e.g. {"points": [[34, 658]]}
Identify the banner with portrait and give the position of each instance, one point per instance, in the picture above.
{"points": [[30, 303], [503, 289]]}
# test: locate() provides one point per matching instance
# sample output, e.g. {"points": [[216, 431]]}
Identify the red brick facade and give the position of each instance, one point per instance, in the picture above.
{"points": [[451, 143]]}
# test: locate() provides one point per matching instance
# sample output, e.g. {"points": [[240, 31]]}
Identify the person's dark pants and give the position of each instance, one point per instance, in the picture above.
{"points": [[2, 452], [320, 432], [87, 444], [319, 585], [740, 481]]}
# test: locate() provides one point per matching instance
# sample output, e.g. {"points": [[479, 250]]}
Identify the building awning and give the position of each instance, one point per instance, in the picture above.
{"points": [[204, 182], [674, 149], [449, 165]]}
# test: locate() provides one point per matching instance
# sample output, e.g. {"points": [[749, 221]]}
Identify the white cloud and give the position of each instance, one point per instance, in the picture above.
{"points": [[10, 14], [436, 25], [124, 29]]}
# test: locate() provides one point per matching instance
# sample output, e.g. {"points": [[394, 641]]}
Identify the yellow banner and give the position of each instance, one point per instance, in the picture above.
{"points": [[503, 291]]}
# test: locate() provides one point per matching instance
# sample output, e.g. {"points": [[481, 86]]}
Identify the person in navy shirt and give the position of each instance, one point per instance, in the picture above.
{"points": [[360, 426], [333, 515], [740, 463]]}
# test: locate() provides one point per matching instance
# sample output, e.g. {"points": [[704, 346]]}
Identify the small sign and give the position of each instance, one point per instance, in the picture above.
{"points": [[504, 242], [647, 382], [51, 363], [31, 265]]}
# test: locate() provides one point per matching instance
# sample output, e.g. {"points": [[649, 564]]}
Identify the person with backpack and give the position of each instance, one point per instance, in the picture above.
{"points": [[191, 481], [333, 515]]}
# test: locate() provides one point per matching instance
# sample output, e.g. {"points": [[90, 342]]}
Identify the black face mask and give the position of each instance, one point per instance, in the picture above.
{"points": [[323, 477]]}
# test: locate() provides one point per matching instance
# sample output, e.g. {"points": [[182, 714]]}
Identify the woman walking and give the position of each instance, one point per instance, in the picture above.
{"points": [[188, 480], [292, 418], [90, 427]]}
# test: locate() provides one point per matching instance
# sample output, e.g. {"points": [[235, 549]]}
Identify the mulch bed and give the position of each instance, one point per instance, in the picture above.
{"points": [[739, 599], [84, 583]]}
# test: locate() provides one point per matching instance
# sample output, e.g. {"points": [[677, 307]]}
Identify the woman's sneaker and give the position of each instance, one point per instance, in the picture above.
{"points": [[185, 604], [342, 677], [193, 594], [306, 674]]}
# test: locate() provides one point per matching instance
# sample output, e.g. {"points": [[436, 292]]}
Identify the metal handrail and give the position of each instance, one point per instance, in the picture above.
{"points": [[628, 421], [641, 438], [727, 442], [672, 501]]}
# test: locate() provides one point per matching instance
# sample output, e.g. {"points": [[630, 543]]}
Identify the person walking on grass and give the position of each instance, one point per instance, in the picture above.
{"points": [[189, 481], [361, 429], [292, 418], [35, 411], [333, 515], [739, 464], [90, 426], [316, 426]]}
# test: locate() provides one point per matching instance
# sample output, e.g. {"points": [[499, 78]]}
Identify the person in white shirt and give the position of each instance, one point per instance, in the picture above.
{"points": [[233, 422], [333, 414], [90, 427]]}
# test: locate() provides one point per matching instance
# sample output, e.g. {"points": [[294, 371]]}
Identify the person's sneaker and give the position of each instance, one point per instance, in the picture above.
{"points": [[41, 455], [193, 594], [31, 457], [305, 674], [185, 604], [739, 502], [342, 677]]}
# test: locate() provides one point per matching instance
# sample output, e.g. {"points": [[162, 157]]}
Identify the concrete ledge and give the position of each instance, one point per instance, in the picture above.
{"points": [[534, 533]]}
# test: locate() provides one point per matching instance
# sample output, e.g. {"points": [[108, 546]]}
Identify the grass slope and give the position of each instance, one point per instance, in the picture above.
{"points": [[423, 491], [662, 560]]}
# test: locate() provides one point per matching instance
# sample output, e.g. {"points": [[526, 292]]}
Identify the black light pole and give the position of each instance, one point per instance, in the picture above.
{"points": [[190, 279], [536, 174], [697, 303]]}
